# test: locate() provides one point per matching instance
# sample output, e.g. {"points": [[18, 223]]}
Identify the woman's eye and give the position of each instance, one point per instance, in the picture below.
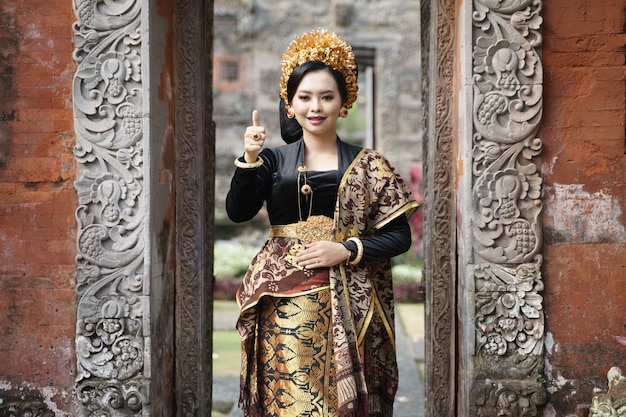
{"points": [[303, 97]]}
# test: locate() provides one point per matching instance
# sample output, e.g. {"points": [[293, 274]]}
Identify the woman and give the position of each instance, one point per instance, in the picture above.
{"points": [[316, 304]]}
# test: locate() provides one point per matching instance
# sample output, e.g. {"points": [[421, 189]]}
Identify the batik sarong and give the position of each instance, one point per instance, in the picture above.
{"points": [[295, 364]]}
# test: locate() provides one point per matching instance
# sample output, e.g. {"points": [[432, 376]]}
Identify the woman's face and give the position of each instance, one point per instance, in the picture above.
{"points": [[316, 103]]}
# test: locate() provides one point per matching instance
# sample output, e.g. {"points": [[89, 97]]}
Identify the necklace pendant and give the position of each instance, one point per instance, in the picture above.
{"points": [[306, 189]]}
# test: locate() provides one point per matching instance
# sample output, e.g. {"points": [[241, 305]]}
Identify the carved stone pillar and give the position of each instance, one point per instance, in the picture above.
{"points": [[118, 144], [482, 205], [110, 98], [500, 236]]}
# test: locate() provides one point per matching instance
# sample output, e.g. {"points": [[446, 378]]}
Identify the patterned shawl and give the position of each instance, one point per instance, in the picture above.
{"points": [[370, 195]]}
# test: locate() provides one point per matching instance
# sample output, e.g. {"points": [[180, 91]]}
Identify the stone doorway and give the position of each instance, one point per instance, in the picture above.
{"points": [[120, 316]]}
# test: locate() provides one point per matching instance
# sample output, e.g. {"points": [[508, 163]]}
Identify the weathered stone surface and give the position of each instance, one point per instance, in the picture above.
{"points": [[613, 403]]}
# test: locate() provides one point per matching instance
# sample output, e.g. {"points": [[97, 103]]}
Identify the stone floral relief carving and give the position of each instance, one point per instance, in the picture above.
{"points": [[507, 398], [612, 403], [107, 97], [509, 311], [24, 402], [21, 407], [507, 108], [507, 111]]}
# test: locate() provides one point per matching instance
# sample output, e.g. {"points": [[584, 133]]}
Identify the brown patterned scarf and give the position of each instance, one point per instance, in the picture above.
{"points": [[371, 195]]}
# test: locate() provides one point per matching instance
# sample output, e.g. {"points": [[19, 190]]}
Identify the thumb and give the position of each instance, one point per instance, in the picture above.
{"points": [[255, 118]]}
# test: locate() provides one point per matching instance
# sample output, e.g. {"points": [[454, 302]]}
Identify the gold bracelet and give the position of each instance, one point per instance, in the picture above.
{"points": [[245, 165], [359, 250]]}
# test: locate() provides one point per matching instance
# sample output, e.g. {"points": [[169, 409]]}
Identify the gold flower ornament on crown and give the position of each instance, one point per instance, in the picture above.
{"points": [[324, 46]]}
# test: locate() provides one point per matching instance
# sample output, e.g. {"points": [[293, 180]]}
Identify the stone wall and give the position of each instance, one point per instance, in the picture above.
{"points": [[584, 198], [37, 204]]}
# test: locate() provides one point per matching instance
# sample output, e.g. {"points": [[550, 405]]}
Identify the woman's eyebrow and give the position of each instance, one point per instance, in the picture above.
{"points": [[321, 92]]}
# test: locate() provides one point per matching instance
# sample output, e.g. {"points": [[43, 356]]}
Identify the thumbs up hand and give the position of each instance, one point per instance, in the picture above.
{"points": [[254, 138]]}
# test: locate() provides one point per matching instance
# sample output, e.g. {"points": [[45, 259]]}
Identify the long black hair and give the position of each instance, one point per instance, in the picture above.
{"points": [[290, 129]]}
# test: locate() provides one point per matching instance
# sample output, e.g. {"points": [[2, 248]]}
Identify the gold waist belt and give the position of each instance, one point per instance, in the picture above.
{"points": [[314, 229]]}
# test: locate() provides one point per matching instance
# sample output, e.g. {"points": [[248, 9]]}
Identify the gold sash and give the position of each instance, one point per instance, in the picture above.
{"points": [[314, 229]]}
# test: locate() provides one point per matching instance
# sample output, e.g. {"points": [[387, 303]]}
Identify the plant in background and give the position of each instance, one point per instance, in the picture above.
{"points": [[232, 259], [230, 263], [408, 285]]}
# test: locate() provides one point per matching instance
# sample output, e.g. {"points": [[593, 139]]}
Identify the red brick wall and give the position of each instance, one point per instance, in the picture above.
{"points": [[584, 197], [37, 203]]}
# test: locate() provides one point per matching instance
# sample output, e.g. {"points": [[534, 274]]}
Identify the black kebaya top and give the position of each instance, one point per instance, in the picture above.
{"points": [[278, 183]]}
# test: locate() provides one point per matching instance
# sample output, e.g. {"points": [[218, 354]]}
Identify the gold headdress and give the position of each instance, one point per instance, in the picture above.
{"points": [[324, 46]]}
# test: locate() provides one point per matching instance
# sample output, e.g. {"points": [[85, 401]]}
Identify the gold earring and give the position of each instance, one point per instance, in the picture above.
{"points": [[290, 113], [343, 112]]}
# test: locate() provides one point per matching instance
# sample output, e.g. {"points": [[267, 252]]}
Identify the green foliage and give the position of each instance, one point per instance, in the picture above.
{"points": [[408, 258], [406, 272], [407, 278], [232, 259], [352, 128]]}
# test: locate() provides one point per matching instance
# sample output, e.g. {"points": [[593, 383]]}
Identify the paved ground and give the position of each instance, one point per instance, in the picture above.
{"points": [[409, 399], [410, 396]]}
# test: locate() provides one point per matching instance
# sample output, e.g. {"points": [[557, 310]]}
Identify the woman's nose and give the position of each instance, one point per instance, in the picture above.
{"points": [[316, 105]]}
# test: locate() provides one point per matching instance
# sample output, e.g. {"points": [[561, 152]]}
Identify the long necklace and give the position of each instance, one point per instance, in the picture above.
{"points": [[305, 189]]}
